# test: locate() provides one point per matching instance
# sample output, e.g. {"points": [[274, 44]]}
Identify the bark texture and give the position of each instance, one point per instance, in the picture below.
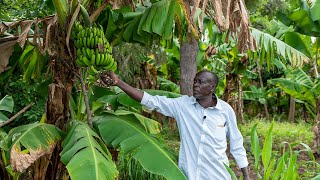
{"points": [[188, 64], [292, 109]]}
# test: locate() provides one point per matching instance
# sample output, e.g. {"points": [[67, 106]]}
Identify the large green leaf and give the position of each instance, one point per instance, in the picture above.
{"points": [[85, 156], [150, 125], [29, 142], [130, 135], [127, 101], [269, 44], [315, 11], [3, 117], [6, 104], [306, 19], [299, 85], [3, 136], [267, 149], [255, 146], [280, 167], [299, 42]]}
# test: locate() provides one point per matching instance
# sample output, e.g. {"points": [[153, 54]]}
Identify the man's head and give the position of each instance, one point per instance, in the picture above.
{"points": [[204, 84]]}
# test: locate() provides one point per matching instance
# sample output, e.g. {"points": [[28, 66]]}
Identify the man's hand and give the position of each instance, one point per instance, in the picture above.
{"points": [[110, 78], [245, 173]]}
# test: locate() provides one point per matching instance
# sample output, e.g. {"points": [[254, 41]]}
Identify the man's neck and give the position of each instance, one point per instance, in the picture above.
{"points": [[209, 101]]}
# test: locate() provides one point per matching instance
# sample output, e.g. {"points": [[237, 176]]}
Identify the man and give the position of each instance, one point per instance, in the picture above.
{"points": [[204, 121]]}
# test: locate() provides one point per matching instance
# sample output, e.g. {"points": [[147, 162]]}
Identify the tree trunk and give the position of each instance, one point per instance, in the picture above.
{"points": [[188, 64], [292, 109], [262, 86], [240, 101], [57, 110], [233, 87]]}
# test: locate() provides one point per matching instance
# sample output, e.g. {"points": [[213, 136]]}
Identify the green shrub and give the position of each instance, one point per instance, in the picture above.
{"points": [[282, 132]]}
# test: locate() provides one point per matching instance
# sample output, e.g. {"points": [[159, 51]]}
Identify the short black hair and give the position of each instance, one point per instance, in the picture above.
{"points": [[215, 78]]}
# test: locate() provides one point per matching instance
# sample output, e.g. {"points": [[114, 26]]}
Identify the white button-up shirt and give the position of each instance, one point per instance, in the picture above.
{"points": [[203, 135]]}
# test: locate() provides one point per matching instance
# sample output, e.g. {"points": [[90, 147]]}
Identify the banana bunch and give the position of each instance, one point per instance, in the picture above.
{"points": [[93, 49]]}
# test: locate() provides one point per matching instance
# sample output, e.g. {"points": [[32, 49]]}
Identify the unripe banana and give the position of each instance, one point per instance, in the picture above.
{"points": [[86, 61], [80, 63], [83, 33], [88, 52], [102, 60], [79, 53], [92, 42], [114, 66], [93, 59], [84, 42], [98, 60]]}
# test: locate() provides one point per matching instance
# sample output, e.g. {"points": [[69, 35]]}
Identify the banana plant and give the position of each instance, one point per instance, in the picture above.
{"points": [[301, 86], [84, 150]]}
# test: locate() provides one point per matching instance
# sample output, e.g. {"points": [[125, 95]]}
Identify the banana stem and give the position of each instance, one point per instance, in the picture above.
{"points": [[84, 91]]}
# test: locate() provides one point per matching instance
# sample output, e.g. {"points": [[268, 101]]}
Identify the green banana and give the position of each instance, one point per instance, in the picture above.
{"points": [[80, 63], [108, 67], [93, 59], [103, 59], [98, 56], [86, 61], [114, 66], [79, 53], [88, 52], [94, 69], [92, 42]]}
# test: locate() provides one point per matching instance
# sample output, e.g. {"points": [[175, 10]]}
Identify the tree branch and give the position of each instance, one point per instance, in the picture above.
{"points": [[84, 90], [16, 115]]}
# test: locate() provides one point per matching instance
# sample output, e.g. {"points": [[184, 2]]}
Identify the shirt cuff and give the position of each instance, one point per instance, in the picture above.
{"points": [[145, 98], [242, 163]]}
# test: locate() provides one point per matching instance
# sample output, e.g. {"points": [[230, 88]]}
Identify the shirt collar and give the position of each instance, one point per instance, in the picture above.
{"points": [[218, 105]]}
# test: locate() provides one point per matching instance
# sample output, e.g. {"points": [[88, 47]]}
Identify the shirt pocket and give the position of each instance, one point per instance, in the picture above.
{"points": [[220, 132], [217, 131]]}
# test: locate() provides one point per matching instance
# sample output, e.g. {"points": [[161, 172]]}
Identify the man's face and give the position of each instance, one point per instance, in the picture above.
{"points": [[203, 85]]}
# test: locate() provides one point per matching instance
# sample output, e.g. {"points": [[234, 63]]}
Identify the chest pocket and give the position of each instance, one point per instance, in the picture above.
{"points": [[217, 129]]}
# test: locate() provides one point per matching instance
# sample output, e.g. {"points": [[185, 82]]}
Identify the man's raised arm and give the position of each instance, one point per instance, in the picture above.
{"points": [[131, 91]]}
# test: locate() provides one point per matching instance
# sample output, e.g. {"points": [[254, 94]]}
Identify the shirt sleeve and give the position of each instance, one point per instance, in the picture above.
{"points": [[236, 141], [161, 104]]}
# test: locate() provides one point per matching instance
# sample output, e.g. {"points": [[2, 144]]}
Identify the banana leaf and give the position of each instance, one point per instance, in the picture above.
{"points": [[299, 85], [29, 142], [6, 104], [150, 125], [85, 155], [123, 99], [269, 44], [128, 134]]}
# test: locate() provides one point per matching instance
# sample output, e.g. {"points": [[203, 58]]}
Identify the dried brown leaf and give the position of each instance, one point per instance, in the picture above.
{"points": [[117, 4], [25, 28], [6, 50], [21, 161], [50, 27], [98, 11], [7, 25]]}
